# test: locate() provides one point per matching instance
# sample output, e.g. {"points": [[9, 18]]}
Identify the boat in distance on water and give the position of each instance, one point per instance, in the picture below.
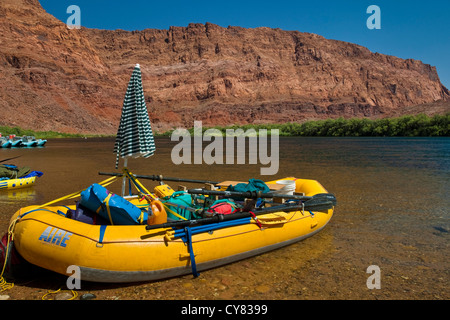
{"points": [[12, 141]]}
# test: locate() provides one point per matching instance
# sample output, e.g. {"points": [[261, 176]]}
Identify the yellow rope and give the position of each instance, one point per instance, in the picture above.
{"points": [[136, 181], [74, 294], [173, 212], [72, 195], [106, 202], [4, 285], [76, 194]]}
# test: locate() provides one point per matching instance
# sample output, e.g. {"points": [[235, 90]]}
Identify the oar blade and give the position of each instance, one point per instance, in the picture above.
{"points": [[323, 206], [323, 197]]}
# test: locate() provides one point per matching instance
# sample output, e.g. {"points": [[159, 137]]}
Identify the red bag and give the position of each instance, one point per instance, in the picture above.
{"points": [[222, 208], [16, 266], [3, 244], [14, 258]]}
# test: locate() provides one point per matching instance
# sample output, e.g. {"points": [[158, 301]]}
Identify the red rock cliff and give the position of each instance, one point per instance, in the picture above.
{"points": [[53, 78]]}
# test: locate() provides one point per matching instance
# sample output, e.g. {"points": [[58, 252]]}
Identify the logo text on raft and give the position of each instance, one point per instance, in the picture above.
{"points": [[55, 236]]}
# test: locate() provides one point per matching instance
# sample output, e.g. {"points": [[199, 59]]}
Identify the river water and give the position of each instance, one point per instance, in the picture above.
{"points": [[393, 213]]}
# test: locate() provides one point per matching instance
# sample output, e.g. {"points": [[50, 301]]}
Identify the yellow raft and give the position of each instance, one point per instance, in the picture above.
{"points": [[17, 183], [113, 253]]}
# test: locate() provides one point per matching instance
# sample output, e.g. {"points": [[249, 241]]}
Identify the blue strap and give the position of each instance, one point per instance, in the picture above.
{"points": [[40, 209], [9, 166], [61, 213], [131, 178], [191, 252], [102, 233], [181, 233]]}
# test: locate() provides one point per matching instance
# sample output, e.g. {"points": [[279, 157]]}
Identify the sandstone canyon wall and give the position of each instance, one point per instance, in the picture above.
{"points": [[53, 78]]}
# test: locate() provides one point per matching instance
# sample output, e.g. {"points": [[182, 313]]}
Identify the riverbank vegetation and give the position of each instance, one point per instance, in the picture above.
{"points": [[406, 126], [19, 132]]}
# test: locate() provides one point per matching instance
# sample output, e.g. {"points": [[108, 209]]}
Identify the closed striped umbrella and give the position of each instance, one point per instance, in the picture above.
{"points": [[134, 136]]}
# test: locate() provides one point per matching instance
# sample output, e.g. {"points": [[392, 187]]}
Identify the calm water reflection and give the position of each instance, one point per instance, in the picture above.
{"points": [[392, 203]]}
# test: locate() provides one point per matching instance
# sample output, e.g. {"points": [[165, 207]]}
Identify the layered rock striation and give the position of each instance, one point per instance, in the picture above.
{"points": [[54, 78]]}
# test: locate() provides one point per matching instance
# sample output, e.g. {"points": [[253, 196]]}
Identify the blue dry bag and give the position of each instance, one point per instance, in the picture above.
{"points": [[112, 207]]}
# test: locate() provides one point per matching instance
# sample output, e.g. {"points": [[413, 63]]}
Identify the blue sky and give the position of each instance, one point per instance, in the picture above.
{"points": [[409, 29]]}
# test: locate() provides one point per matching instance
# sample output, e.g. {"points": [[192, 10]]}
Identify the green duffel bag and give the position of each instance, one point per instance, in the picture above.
{"points": [[13, 172], [179, 206]]}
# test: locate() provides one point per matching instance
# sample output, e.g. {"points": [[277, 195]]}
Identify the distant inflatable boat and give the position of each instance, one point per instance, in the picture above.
{"points": [[30, 141], [10, 184], [13, 177], [20, 142], [4, 143]]}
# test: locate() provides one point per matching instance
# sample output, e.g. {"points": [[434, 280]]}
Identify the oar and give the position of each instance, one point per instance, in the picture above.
{"points": [[9, 159], [231, 194], [311, 205], [160, 178], [258, 194]]}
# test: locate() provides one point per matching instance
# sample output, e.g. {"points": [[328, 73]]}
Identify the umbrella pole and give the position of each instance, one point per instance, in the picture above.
{"points": [[125, 164]]}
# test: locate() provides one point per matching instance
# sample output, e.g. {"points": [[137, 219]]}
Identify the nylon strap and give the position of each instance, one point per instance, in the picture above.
{"points": [[173, 212], [256, 219], [72, 195], [106, 202], [102, 233], [141, 217], [136, 183], [191, 252]]}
